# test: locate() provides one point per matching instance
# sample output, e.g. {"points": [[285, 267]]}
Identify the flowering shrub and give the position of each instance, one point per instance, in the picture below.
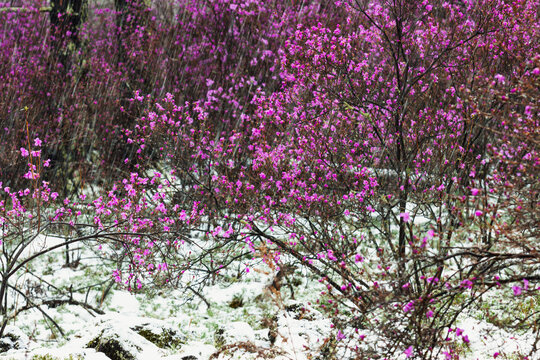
{"points": [[117, 224], [76, 87], [390, 148], [383, 153], [376, 160]]}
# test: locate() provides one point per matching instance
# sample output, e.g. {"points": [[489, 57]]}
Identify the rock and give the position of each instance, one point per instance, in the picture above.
{"points": [[13, 338], [194, 351], [181, 357], [112, 346], [241, 332], [131, 337], [160, 335], [121, 343], [237, 331]]}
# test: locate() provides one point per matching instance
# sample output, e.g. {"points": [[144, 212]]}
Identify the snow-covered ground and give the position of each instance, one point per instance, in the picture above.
{"points": [[239, 317]]}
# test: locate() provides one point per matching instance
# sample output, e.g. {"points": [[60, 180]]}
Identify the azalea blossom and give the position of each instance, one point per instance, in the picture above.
{"points": [[405, 216], [409, 351]]}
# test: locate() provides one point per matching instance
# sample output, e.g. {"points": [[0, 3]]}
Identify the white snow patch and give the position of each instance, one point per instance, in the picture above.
{"points": [[487, 339], [124, 302], [195, 348]]}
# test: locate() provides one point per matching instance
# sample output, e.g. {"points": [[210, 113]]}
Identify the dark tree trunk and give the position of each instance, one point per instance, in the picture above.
{"points": [[66, 17]]}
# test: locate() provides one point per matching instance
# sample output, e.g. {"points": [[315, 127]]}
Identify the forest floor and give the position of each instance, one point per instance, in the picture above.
{"points": [[241, 316]]}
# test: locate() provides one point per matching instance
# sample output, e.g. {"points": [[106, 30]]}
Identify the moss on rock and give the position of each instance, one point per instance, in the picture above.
{"points": [[111, 347], [161, 337]]}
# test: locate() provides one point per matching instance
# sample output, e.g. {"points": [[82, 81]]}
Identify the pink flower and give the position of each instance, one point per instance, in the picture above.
{"points": [[183, 215], [331, 256], [478, 213], [517, 290], [408, 307], [409, 351], [117, 276], [37, 142], [466, 284], [24, 152], [475, 192], [429, 314], [31, 175], [405, 216]]}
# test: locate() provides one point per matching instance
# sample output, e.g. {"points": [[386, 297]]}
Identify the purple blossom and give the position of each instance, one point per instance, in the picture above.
{"points": [[405, 216], [408, 353], [408, 307]]}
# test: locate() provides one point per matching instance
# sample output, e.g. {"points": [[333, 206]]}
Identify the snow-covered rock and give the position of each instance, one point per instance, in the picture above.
{"points": [[124, 344], [193, 351], [160, 334], [238, 331], [129, 337], [13, 338]]}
